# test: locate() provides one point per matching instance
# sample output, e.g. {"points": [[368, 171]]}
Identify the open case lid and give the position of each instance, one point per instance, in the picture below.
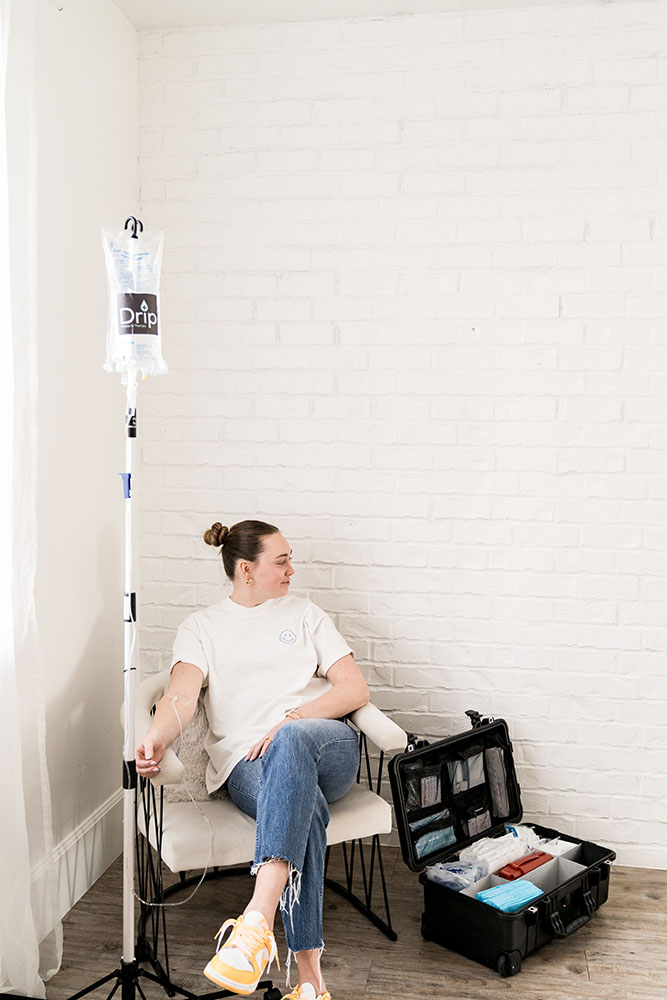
{"points": [[451, 793]]}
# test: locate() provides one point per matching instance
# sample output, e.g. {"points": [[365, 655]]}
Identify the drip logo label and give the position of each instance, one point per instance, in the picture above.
{"points": [[137, 313]]}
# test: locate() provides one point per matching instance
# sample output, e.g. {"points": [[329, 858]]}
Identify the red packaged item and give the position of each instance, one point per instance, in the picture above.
{"points": [[515, 869]]}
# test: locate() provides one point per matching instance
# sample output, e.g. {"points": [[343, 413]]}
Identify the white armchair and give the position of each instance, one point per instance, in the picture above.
{"points": [[223, 838]]}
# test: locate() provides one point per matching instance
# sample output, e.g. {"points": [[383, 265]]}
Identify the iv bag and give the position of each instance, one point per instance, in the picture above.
{"points": [[134, 343]]}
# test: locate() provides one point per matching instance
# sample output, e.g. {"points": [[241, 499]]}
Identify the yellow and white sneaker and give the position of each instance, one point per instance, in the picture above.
{"points": [[306, 991], [238, 965]]}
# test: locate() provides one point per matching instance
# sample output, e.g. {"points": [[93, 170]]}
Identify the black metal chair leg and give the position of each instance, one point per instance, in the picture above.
{"points": [[365, 905]]}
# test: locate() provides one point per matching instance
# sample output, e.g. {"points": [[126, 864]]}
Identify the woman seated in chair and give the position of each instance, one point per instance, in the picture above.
{"points": [[278, 679]]}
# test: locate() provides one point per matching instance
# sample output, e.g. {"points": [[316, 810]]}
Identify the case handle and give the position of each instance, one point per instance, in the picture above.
{"points": [[562, 930]]}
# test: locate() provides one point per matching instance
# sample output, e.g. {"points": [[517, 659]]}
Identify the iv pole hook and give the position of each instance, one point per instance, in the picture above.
{"points": [[136, 224]]}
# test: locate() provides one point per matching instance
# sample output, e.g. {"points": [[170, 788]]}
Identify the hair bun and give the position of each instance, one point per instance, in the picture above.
{"points": [[216, 534]]}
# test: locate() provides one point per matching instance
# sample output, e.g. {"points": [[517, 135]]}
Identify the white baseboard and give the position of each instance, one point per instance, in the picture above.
{"points": [[83, 855]]}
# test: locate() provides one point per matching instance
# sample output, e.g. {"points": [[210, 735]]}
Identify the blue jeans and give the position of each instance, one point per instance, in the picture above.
{"points": [[311, 762]]}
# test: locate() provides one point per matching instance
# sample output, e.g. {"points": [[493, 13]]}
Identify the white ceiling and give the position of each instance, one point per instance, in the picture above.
{"points": [[146, 14]]}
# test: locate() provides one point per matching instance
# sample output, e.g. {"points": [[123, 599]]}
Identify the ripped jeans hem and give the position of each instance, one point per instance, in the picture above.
{"points": [[292, 891], [288, 964]]}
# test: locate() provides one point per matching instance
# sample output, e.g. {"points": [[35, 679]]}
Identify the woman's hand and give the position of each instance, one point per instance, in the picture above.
{"points": [[263, 745], [148, 756]]}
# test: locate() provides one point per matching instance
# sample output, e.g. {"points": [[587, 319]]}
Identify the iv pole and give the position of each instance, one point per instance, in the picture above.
{"points": [[127, 976]]}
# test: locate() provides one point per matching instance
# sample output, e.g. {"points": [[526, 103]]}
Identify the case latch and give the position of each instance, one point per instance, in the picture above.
{"points": [[476, 719], [415, 743], [589, 903]]}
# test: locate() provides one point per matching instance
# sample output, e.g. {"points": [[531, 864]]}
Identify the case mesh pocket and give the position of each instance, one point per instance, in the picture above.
{"points": [[412, 793], [466, 772], [495, 768], [477, 822], [435, 832], [434, 840], [422, 786], [435, 819], [430, 790]]}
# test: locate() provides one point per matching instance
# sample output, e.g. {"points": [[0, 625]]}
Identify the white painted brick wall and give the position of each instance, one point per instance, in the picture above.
{"points": [[414, 312]]}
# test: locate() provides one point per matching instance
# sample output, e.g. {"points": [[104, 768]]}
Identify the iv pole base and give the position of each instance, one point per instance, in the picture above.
{"points": [[127, 980]]}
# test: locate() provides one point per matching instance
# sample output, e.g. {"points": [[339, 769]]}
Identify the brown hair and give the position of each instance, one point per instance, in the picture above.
{"points": [[242, 541]]}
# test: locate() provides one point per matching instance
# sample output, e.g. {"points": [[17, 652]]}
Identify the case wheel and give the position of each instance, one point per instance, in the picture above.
{"points": [[273, 994], [427, 931], [509, 963]]}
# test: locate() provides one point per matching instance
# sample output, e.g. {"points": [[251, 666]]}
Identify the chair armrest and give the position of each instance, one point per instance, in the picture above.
{"points": [[384, 733], [147, 693]]}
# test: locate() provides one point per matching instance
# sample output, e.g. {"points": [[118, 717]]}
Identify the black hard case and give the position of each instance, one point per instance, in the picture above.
{"points": [[574, 886]]}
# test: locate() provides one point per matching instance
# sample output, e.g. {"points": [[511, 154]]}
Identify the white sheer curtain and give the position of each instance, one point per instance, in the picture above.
{"points": [[30, 930]]}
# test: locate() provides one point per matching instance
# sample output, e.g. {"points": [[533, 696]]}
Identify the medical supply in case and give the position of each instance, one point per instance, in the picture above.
{"points": [[516, 869], [495, 889], [511, 897], [491, 853], [454, 875]]}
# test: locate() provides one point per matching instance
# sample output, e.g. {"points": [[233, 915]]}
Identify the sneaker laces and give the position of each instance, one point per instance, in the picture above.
{"points": [[248, 938]]}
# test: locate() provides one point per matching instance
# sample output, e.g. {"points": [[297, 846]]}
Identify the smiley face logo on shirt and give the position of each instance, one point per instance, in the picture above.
{"points": [[287, 636]]}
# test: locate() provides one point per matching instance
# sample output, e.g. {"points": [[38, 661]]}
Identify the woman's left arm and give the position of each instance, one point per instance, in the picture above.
{"points": [[348, 692]]}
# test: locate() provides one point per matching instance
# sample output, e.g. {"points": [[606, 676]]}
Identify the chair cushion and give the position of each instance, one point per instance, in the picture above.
{"points": [[190, 843]]}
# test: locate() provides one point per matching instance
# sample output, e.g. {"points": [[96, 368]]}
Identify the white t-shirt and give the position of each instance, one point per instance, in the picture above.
{"points": [[257, 663]]}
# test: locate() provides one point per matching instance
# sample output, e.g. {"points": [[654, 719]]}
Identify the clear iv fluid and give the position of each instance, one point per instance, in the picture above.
{"points": [[134, 341]]}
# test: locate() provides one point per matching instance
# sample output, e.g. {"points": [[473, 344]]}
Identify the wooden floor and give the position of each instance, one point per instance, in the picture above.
{"points": [[620, 955]]}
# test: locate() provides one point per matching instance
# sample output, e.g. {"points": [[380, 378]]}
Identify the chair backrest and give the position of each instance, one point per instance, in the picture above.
{"points": [[190, 750]]}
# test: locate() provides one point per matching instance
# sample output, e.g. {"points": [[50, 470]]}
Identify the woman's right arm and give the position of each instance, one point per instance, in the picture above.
{"points": [[174, 711]]}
